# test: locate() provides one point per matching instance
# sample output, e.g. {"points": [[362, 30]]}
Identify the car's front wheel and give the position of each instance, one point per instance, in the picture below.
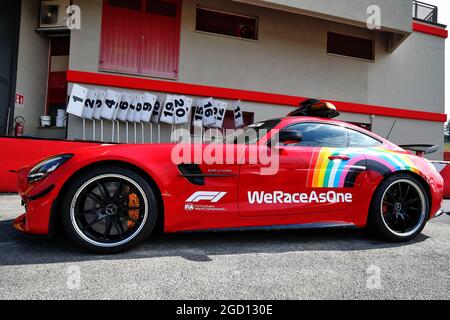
{"points": [[109, 209], [399, 209]]}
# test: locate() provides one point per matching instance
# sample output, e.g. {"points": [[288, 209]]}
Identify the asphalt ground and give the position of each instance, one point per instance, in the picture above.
{"points": [[300, 264]]}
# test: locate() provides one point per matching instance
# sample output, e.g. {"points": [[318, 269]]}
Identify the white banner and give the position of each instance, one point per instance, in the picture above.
{"points": [[124, 106], [111, 103], [89, 104], [220, 109], [76, 100], [147, 108], [101, 96], [168, 111], [156, 115], [116, 111], [238, 115], [139, 107], [137, 100], [183, 106], [198, 115], [208, 113]]}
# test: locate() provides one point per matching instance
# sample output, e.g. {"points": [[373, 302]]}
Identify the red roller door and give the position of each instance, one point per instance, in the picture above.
{"points": [[161, 38], [141, 37]]}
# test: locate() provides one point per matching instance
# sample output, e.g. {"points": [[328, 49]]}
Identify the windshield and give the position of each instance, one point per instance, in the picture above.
{"points": [[251, 134]]}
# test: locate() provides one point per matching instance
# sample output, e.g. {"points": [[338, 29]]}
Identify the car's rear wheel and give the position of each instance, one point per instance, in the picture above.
{"points": [[109, 209], [399, 209]]}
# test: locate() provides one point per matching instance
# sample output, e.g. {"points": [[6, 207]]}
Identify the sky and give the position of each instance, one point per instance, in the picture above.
{"points": [[444, 18]]}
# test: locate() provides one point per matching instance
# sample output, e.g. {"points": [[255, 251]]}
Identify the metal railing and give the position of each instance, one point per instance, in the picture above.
{"points": [[425, 12]]}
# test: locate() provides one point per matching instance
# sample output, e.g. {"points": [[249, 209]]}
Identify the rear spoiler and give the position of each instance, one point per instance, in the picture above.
{"points": [[421, 149], [440, 165]]}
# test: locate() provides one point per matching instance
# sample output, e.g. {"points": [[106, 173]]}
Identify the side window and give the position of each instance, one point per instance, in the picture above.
{"points": [[360, 140], [321, 135]]}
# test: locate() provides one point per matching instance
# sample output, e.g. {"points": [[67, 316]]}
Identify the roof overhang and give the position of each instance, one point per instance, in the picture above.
{"points": [[396, 17]]}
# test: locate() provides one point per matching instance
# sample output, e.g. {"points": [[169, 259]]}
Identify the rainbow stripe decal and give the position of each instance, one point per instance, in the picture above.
{"points": [[326, 173]]}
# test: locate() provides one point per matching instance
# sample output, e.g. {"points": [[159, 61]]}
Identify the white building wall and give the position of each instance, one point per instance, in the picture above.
{"points": [[290, 58], [412, 77], [32, 68], [85, 43], [396, 15]]}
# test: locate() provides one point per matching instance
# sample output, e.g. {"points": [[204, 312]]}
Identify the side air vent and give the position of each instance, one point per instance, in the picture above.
{"points": [[192, 173]]}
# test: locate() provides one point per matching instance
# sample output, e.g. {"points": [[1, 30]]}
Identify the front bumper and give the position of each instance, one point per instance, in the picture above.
{"points": [[439, 213], [20, 224], [36, 220], [38, 202]]}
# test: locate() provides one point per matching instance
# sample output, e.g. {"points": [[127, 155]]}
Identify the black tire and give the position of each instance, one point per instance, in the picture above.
{"points": [[392, 216], [109, 209]]}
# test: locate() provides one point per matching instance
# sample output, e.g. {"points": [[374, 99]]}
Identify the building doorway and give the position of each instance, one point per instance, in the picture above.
{"points": [[9, 38]]}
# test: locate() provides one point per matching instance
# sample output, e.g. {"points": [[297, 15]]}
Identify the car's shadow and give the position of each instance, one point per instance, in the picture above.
{"points": [[19, 249]]}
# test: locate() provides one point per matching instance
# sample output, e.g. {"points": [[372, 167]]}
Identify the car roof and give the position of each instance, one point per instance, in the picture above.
{"points": [[289, 120], [293, 120]]}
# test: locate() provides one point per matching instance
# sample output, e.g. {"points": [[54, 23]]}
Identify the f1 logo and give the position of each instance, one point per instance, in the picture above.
{"points": [[212, 197]]}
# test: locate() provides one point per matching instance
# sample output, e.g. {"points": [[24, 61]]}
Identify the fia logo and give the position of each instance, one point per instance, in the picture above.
{"points": [[189, 207]]}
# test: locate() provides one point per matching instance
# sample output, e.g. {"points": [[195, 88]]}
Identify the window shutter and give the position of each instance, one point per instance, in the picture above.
{"points": [[161, 38], [121, 36], [141, 37]]}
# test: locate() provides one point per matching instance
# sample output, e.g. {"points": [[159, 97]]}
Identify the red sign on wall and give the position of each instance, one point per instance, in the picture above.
{"points": [[20, 100]]}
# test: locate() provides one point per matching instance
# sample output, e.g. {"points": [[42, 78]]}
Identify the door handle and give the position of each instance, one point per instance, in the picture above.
{"points": [[339, 157]]}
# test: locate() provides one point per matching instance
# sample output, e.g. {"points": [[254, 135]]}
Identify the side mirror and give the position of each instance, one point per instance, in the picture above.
{"points": [[288, 137]]}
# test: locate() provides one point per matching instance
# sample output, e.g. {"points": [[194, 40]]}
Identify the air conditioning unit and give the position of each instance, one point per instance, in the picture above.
{"points": [[53, 14]]}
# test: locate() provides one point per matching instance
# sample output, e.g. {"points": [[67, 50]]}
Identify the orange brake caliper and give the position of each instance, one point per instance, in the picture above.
{"points": [[133, 203]]}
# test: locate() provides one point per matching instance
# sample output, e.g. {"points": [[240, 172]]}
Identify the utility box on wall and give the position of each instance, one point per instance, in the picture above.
{"points": [[53, 14]]}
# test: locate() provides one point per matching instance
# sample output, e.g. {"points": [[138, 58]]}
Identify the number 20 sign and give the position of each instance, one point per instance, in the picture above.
{"points": [[183, 107]]}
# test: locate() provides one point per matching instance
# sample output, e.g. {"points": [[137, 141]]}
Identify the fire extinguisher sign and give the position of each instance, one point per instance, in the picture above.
{"points": [[20, 100]]}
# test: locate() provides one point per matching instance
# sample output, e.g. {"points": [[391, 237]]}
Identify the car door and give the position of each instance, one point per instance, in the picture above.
{"points": [[259, 194], [311, 178]]}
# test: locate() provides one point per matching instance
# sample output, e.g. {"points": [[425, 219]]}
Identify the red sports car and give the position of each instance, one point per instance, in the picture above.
{"points": [[321, 173]]}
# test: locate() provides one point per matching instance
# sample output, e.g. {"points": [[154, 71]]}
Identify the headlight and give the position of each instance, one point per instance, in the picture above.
{"points": [[43, 169]]}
